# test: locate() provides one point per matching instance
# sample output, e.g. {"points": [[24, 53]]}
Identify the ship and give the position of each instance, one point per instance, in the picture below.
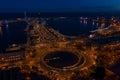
{"points": [[13, 47], [112, 30]]}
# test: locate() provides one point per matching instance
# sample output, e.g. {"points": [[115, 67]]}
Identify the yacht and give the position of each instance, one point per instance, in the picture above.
{"points": [[13, 47]]}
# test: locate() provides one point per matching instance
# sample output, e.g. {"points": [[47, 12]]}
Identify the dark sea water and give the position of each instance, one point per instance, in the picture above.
{"points": [[12, 34], [70, 25]]}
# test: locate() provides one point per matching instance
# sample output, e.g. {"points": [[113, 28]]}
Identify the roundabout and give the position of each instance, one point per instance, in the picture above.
{"points": [[62, 60]]}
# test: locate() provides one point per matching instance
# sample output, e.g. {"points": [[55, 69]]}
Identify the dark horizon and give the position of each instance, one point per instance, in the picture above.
{"points": [[65, 14]]}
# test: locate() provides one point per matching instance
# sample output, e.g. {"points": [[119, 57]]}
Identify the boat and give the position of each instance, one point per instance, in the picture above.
{"points": [[13, 47]]}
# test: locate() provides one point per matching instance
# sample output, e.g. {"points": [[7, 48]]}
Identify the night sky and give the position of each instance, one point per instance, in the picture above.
{"points": [[59, 5]]}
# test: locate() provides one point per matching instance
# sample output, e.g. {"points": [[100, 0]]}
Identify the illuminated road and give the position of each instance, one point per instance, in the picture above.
{"points": [[46, 41]]}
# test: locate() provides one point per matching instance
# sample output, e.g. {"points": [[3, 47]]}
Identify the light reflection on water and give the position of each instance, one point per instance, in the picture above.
{"points": [[1, 31], [13, 33]]}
